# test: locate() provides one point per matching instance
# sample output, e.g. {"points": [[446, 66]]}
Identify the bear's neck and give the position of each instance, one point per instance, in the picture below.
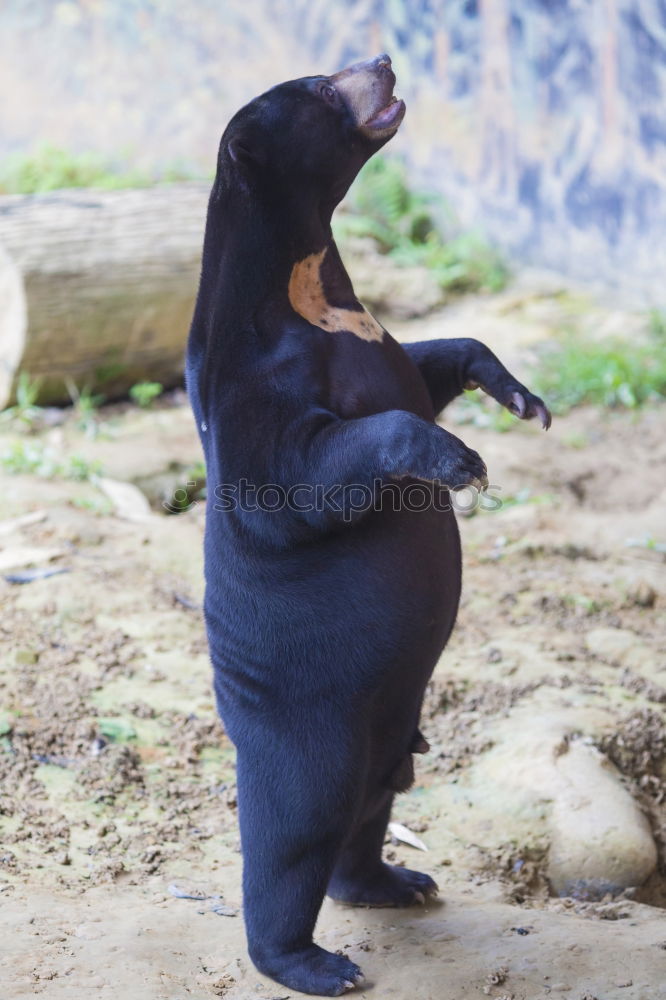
{"points": [[252, 246]]}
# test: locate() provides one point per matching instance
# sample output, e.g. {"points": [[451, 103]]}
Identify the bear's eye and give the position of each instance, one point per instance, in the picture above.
{"points": [[327, 92]]}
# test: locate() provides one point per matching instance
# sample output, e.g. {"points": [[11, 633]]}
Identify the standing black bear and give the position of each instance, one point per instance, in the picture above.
{"points": [[329, 596]]}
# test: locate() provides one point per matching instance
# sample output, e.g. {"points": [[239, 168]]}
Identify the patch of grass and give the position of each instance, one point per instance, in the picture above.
{"points": [[143, 393], [100, 506], [116, 729], [465, 263], [33, 458], [50, 168], [81, 469], [581, 602], [406, 225], [648, 542], [525, 496], [610, 373], [25, 413], [657, 323], [85, 403]]}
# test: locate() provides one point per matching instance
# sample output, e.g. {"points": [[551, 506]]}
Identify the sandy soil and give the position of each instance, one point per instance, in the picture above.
{"points": [[118, 782]]}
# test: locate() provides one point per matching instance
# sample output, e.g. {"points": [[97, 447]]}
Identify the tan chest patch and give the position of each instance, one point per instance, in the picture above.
{"points": [[308, 299]]}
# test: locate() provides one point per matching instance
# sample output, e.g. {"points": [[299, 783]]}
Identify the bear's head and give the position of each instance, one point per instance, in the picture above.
{"points": [[312, 134]]}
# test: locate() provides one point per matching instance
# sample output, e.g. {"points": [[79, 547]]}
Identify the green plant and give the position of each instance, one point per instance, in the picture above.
{"points": [[116, 729], [34, 458], [648, 542], [657, 323], [581, 602], [609, 373], [85, 403], [25, 412], [409, 225], [525, 496], [387, 209], [143, 393], [29, 457], [49, 168], [80, 468], [100, 506]]}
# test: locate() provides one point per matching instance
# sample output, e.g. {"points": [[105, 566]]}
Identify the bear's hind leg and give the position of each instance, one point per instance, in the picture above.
{"points": [[292, 809], [361, 878]]}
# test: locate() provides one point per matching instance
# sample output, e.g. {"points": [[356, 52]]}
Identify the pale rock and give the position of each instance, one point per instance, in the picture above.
{"points": [[614, 645], [535, 782], [128, 500], [27, 555], [88, 931], [600, 841]]}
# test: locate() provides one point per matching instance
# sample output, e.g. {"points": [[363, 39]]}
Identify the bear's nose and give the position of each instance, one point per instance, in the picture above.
{"points": [[383, 61]]}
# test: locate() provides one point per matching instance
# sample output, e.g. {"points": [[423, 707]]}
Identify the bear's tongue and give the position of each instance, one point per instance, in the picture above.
{"points": [[387, 116]]}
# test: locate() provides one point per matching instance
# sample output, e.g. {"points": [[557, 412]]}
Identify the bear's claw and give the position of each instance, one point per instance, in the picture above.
{"points": [[525, 405]]}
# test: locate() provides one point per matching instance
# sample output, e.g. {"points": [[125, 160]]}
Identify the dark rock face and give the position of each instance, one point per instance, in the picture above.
{"points": [[543, 121]]}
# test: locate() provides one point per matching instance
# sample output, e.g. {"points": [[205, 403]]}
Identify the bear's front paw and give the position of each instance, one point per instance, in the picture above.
{"points": [[525, 405], [428, 452], [459, 465]]}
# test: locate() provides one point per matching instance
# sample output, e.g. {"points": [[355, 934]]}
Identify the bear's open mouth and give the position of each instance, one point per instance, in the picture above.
{"points": [[367, 90], [389, 116]]}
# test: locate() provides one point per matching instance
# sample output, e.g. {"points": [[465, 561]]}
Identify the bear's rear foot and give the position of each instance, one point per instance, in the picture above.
{"points": [[310, 970], [388, 886]]}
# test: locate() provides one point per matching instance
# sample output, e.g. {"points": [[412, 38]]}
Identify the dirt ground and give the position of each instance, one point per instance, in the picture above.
{"points": [[117, 796]]}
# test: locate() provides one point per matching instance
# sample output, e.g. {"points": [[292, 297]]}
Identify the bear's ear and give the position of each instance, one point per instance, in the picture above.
{"points": [[244, 152]]}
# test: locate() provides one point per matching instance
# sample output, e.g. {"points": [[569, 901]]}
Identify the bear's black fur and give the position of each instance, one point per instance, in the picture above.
{"points": [[326, 613]]}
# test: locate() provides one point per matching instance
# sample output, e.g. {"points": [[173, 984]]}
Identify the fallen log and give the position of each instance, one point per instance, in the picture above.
{"points": [[97, 287]]}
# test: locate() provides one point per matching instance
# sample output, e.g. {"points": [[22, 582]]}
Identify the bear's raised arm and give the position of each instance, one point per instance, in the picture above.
{"points": [[450, 366], [348, 455]]}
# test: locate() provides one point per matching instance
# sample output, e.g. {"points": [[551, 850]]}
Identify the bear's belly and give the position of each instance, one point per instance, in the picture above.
{"points": [[367, 607]]}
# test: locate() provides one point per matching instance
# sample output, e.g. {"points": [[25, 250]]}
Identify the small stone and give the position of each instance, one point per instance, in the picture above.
{"points": [[88, 932], [642, 595], [46, 974], [611, 644], [560, 987]]}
